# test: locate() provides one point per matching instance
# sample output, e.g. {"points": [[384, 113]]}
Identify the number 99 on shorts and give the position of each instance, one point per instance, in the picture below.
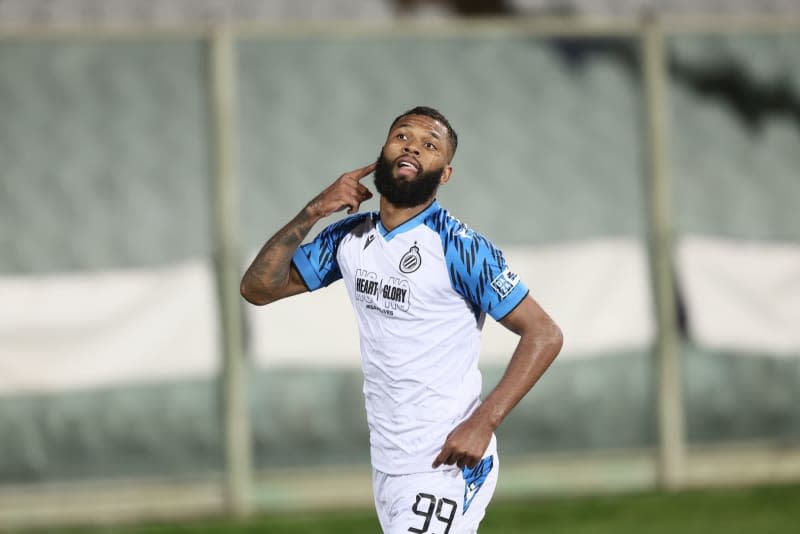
{"points": [[429, 508]]}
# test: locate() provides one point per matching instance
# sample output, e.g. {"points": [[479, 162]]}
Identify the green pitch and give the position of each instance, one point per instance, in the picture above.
{"points": [[762, 510]]}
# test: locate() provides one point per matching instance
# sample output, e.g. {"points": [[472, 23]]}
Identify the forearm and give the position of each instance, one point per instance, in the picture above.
{"points": [[269, 273], [537, 348], [534, 353]]}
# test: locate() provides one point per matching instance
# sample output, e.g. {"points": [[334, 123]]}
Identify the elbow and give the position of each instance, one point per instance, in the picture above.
{"points": [[251, 294], [554, 339], [558, 338]]}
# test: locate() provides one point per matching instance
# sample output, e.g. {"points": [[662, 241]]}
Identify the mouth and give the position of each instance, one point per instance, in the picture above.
{"points": [[406, 166]]}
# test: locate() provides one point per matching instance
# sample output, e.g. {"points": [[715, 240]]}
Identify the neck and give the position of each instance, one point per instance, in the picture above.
{"points": [[393, 216]]}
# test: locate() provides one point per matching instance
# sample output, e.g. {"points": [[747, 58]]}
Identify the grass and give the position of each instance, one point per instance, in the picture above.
{"points": [[759, 510]]}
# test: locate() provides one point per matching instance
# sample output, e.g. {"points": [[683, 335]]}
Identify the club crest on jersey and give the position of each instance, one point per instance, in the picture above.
{"points": [[504, 283], [411, 260]]}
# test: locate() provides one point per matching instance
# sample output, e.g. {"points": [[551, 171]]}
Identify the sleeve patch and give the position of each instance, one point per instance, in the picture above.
{"points": [[504, 283]]}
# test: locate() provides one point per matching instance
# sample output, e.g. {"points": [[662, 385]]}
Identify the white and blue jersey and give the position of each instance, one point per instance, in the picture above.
{"points": [[420, 293]]}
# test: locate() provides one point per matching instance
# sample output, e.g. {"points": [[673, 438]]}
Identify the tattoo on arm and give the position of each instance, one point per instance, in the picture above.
{"points": [[270, 269]]}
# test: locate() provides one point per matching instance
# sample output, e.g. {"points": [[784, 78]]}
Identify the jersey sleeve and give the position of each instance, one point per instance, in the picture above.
{"points": [[316, 261], [478, 272]]}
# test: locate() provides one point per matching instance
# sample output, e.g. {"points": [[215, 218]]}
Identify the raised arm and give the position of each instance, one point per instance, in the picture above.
{"points": [[539, 343], [271, 276]]}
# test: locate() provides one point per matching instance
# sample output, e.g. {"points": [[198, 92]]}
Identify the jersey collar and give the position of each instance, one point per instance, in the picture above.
{"points": [[410, 224]]}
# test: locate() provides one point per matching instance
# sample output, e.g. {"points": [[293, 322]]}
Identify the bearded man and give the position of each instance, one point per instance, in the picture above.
{"points": [[421, 284]]}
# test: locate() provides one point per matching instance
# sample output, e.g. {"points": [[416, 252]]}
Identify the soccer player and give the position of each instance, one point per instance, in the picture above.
{"points": [[421, 283]]}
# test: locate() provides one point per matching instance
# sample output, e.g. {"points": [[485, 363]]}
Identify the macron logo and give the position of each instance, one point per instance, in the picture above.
{"points": [[472, 488], [370, 239]]}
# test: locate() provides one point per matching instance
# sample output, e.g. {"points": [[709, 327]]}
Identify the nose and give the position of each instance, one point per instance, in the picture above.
{"points": [[411, 149]]}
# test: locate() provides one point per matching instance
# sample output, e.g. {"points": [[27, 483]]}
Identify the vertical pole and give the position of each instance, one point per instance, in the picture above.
{"points": [[672, 446], [238, 457]]}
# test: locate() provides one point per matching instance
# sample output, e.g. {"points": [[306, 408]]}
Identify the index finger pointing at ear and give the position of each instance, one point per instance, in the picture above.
{"points": [[358, 174]]}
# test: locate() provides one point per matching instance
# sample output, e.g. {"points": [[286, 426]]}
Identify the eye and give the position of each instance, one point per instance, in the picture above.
{"points": [[430, 146], [401, 136]]}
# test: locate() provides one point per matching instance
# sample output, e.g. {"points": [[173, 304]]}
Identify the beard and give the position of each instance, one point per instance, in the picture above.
{"points": [[405, 192]]}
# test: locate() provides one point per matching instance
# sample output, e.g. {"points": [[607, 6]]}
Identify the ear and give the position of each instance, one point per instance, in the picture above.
{"points": [[446, 175]]}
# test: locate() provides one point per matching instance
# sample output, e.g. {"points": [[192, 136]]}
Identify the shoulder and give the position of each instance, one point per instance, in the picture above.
{"points": [[477, 269], [352, 224], [353, 221], [455, 234]]}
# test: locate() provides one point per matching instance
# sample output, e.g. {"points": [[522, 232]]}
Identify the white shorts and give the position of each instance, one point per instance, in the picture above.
{"points": [[446, 501]]}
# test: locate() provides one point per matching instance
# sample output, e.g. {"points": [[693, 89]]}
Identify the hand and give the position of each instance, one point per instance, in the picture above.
{"points": [[345, 192], [466, 444]]}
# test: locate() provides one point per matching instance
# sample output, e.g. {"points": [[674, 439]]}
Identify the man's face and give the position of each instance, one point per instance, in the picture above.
{"points": [[414, 161]]}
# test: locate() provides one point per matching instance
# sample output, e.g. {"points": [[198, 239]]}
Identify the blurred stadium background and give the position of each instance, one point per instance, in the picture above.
{"points": [[638, 161]]}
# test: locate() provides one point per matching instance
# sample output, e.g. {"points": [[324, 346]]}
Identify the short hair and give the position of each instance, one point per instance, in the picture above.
{"points": [[436, 115]]}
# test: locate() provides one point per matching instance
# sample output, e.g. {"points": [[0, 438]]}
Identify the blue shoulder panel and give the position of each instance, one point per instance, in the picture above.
{"points": [[316, 261], [478, 270]]}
